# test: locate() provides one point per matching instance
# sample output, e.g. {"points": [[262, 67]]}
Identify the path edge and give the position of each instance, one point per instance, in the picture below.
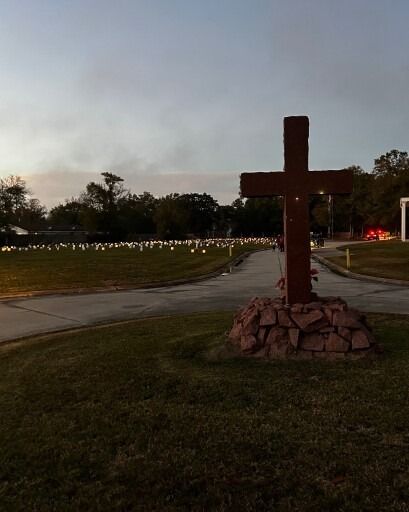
{"points": [[337, 269], [226, 267]]}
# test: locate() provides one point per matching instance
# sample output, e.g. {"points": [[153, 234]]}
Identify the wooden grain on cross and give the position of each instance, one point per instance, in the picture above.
{"points": [[296, 183]]}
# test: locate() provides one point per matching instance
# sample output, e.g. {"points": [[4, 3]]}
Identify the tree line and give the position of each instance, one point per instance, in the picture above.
{"points": [[107, 209]]}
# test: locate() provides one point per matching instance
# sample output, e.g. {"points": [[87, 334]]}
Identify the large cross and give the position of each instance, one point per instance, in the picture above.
{"points": [[296, 183]]}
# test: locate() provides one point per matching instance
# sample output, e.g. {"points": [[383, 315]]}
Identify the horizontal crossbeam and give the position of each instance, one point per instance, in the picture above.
{"points": [[279, 183]]}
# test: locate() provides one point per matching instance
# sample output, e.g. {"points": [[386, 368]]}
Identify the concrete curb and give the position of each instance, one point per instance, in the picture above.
{"points": [[360, 277], [102, 324], [226, 267]]}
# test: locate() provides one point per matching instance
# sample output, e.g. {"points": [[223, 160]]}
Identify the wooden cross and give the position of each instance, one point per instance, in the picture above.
{"points": [[296, 183]]}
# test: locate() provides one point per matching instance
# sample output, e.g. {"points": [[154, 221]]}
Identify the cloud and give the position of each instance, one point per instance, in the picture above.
{"points": [[166, 100], [53, 187]]}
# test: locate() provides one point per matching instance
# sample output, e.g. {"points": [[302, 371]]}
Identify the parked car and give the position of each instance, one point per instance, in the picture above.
{"points": [[316, 240], [371, 235], [377, 234]]}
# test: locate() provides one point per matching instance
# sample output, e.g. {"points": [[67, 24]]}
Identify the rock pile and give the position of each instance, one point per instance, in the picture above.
{"points": [[324, 329]]}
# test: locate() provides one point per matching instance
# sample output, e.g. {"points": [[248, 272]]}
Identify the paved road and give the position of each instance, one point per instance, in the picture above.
{"points": [[257, 275]]}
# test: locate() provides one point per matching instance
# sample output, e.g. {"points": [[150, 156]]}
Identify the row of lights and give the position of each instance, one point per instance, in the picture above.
{"points": [[198, 244]]}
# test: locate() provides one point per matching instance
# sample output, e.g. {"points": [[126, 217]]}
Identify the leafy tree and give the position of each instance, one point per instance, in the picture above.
{"points": [[32, 215], [392, 164], [171, 218], [67, 214], [237, 216], [258, 216], [351, 212], [137, 212], [391, 182], [104, 196], [13, 195], [16, 206], [100, 205], [201, 212], [319, 214], [360, 201], [226, 220]]}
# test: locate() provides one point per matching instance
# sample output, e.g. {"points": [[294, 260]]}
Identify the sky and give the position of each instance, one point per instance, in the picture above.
{"points": [[184, 95]]}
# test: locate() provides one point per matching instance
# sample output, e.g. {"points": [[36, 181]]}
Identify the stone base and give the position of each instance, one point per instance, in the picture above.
{"points": [[323, 329]]}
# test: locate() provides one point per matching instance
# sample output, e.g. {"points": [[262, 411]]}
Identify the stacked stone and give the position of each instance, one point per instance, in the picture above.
{"points": [[324, 329]]}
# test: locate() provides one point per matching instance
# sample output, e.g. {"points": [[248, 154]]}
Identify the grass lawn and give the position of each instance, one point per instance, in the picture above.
{"points": [[382, 259], [65, 269], [137, 417]]}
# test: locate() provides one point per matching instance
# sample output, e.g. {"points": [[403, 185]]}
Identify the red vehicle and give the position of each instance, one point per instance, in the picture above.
{"points": [[376, 234]]}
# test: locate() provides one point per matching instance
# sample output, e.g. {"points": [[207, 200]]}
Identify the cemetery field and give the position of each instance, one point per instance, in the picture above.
{"points": [[381, 259], [37, 270], [139, 416]]}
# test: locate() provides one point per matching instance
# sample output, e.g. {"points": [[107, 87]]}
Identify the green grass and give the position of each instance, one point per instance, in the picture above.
{"points": [[381, 259], [68, 269], [138, 417]]}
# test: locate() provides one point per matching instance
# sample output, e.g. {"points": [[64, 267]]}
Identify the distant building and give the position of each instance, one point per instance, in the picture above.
{"points": [[16, 235], [59, 234], [17, 230]]}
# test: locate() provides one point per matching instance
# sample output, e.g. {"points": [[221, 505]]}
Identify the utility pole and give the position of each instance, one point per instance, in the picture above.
{"points": [[332, 217], [330, 230]]}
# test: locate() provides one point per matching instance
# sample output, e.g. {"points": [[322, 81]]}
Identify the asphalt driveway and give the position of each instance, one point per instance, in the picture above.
{"points": [[256, 276]]}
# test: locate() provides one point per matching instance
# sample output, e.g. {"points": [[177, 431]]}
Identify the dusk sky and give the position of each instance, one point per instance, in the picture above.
{"points": [[184, 95]]}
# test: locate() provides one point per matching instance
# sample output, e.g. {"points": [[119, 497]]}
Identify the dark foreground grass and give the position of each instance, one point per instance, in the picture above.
{"points": [[67, 269], [138, 417], [381, 259]]}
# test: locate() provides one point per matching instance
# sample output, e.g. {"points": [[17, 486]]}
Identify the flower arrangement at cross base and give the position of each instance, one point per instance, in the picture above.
{"points": [[280, 284]]}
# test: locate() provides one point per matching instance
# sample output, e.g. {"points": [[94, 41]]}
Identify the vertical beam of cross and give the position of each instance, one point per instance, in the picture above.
{"points": [[296, 211]]}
